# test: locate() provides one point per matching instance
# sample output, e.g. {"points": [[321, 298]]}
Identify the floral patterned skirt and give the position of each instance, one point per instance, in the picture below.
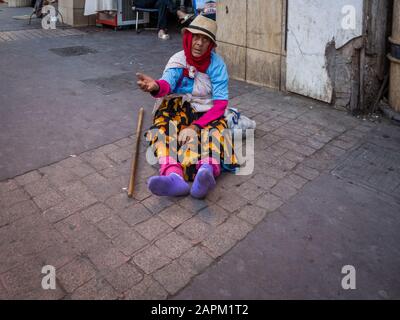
{"points": [[214, 140]]}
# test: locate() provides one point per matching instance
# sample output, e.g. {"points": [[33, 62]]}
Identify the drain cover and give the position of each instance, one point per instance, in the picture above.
{"points": [[113, 84], [373, 166], [73, 51]]}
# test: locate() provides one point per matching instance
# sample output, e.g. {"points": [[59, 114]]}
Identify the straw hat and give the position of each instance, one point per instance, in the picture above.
{"points": [[205, 26]]}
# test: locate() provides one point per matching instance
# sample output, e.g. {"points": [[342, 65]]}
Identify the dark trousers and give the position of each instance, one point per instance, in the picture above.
{"points": [[38, 5], [163, 7]]}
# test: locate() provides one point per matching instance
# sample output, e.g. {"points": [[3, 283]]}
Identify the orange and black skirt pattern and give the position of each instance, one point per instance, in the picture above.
{"points": [[214, 141]]}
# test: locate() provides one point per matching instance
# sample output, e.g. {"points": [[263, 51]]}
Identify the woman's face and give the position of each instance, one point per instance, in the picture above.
{"points": [[200, 44]]}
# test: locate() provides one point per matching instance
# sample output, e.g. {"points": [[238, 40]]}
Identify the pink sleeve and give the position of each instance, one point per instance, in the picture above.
{"points": [[165, 89], [216, 112]]}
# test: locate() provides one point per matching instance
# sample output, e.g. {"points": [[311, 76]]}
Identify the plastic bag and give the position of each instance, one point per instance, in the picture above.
{"points": [[238, 121]]}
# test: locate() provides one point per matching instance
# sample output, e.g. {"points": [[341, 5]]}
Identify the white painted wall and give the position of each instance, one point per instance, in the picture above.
{"points": [[312, 24]]}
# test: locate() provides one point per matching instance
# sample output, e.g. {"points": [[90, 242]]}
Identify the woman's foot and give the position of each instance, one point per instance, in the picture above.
{"points": [[203, 182], [172, 185], [163, 35]]}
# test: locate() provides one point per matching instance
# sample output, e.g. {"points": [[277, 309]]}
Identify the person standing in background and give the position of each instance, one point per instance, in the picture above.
{"points": [[163, 6], [37, 8]]}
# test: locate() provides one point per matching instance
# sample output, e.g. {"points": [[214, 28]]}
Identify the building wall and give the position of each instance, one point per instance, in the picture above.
{"points": [[313, 55], [72, 12], [250, 37], [313, 27], [19, 3]]}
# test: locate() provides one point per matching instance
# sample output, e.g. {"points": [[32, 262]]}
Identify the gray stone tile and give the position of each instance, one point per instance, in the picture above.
{"points": [[129, 242], [294, 156], [295, 181], [285, 164], [195, 230], [147, 289], [120, 201], [275, 172], [173, 277], [141, 191], [173, 245], [106, 258], [252, 214], [75, 274], [48, 200], [263, 181], [120, 155], [135, 214], [96, 213], [152, 228], [150, 259], [17, 211], [82, 234], [231, 201], [213, 215], [28, 178], [226, 236], [113, 226], [10, 198], [97, 160], [157, 204], [192, 205], [8, 185], [95, 289], [306, 172], [175, 215], [70, 162], [196, 260], [218, 244], [82, 170], [22, 278], [124, 277], [284, 190], [269, 202], [38, 187]]}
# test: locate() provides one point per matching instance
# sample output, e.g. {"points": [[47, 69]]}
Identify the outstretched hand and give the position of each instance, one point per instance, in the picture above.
{"points": [[146, 83]]}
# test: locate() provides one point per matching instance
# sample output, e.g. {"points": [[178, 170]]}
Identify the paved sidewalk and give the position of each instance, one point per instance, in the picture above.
{"points": [[346, 216], [66, 91], [75, 215], [65, 152]]}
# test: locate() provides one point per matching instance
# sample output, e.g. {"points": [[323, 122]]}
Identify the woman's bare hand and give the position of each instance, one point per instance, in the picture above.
{"points": [[146, 83], [187, 134]]}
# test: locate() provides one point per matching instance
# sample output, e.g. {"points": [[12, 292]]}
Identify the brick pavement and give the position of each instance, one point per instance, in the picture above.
{"points": [[37, 34], [74, 214]]}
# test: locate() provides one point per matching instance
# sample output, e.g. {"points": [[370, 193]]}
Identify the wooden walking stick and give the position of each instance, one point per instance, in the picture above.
{"points": [[135, 154]]}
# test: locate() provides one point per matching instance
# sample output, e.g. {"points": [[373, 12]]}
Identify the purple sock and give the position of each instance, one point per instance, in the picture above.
{"points": [[172, 185], [203, 182]]}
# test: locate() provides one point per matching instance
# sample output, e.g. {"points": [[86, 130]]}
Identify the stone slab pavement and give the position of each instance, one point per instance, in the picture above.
{"points": [[299, 250], [7, 23], [281, 232], [75, 215], [55, 104]]}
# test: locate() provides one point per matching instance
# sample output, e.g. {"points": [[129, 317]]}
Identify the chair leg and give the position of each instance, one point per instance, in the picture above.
{"points": [[137, 21], [30, 17], [62, 19]]}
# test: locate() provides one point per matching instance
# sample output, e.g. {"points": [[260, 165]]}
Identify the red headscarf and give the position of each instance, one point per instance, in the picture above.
{"points": [[200, 63]]}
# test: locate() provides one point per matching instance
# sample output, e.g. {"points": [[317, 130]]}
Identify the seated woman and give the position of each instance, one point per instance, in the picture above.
{"points": [[192, 95], [163, 6]]}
